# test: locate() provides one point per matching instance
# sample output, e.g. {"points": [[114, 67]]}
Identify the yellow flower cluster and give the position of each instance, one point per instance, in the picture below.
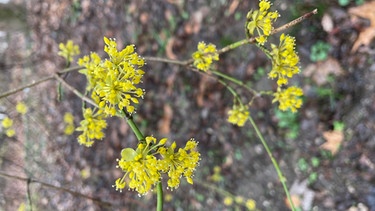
{"points": [[284, 66], [204, 56], [143, 169], [91, 127], [69, 123], [261, 21], [21, 108], [7, 124], [113, 81], [284, 60], [68, 50], [238, 114], [288, 98], [250, 204]]}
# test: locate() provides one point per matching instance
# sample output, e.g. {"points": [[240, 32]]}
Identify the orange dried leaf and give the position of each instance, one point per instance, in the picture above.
{"points": [[295, 199], [366, 11], [333, 141], [164, 124], [320, 71]]}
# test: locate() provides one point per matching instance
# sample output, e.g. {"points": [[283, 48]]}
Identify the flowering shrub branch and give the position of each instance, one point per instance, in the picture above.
{"points": [[114, 89]]}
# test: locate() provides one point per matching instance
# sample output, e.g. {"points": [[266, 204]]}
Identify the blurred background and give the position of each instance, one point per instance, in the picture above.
{"points": [[326, 150]]}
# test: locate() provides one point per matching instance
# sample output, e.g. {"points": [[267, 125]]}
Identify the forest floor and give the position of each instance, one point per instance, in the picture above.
{"points": [[326, 150]]}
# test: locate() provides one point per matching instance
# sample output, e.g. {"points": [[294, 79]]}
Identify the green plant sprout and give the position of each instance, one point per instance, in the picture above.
{"points": [[288, 120], [319, 51], [114, 89], [308, 167]]}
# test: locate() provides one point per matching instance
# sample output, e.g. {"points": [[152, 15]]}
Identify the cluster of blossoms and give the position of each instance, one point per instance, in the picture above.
{"points": [[91, 126], [238, 114], [7, 123], [250, 204], [68, 50], [145, 165], [69, 123], [284, 66], [284, 60], [261, 21], [204, 56], [288, 98], [113, 82]]}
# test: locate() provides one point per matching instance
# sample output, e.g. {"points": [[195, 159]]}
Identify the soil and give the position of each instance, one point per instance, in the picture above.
{"points": [[180, 104]]}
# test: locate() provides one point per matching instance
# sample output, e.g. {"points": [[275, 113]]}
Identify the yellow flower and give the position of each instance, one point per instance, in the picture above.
{"points": [[238, 115], [204, 56], [284, 60], [288, 98], [69, 121], [179, 163], [68, 50], [239, 199], [7, 122], [261, 21], [68, 118], [228, 201], [10, 132], [144, 169], [251, 204], [93, 69], [140, 166], [21, 108], [69, 129], [91, 127], [114, 81]]}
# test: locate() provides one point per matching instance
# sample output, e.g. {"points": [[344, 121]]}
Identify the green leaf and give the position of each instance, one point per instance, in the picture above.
{"points": [[343, 2], [128, 154]]}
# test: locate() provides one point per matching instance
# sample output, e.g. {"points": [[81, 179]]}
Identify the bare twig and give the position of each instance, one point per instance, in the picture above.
{"points": [[29, 195], [18, 89], [34, 83], [74, 90], [295, 21], [74, 193]]}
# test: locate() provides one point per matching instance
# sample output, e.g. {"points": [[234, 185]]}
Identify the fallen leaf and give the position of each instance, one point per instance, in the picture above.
{"points": [[193, 26], [327, 23], [232, 7], [333, 139], [201, 90], [169, 49], [164, 124], [320, 71], [295, 199], [366, 11]]}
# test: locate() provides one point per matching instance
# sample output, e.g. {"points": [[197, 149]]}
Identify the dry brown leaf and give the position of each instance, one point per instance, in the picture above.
{"points": [[366, 11], [320, 71], [333, 141], [202, 87], [193, 26], [164, 124], [169, 48], [232, 7], [295, 199]]}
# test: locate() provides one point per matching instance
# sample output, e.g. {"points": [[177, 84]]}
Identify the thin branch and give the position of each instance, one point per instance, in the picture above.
{"points": [[18, 89], [29, 195], [164, 60], [74, 193], [34, 83], [238, 43], [74, 90], [295, 21]]}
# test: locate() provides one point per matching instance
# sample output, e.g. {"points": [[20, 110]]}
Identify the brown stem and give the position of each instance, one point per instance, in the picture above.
{"points": [[74, 90], [74, 193]]}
